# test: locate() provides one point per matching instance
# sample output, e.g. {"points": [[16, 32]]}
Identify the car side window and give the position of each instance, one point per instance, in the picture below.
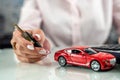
{"points": [[87, 51], [90, 51], [76, 51]]}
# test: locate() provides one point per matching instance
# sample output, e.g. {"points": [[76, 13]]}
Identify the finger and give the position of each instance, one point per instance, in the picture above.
{"points": [[26, 52], [46, 46], [19, 39], [13, 40], [28, 60], [39, 35], [16, 32], [36, 51], [34, 56], [13, 43], [23, 42], [19, 49], [22, 59], [25, 55]]}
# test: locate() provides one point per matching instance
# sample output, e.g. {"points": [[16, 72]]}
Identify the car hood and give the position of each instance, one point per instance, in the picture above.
{"points": [[103, 55]]}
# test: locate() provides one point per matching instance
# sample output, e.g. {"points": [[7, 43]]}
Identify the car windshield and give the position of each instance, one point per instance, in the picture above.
{"points": [[90, 51]]}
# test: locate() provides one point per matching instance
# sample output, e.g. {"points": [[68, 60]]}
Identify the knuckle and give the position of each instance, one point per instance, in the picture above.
{"points": [[14, 45], [11, 41], [22, 59], [30, 59], [13, 32], [34, 60]]}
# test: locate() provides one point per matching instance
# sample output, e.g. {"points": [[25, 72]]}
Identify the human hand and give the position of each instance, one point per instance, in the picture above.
{"points": [[25, 50]]}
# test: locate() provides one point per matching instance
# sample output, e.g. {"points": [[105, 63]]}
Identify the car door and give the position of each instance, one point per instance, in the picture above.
{"points": [[78, 57]]}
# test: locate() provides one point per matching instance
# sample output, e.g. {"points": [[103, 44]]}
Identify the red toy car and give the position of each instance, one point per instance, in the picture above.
{"points": [[85, 56]]}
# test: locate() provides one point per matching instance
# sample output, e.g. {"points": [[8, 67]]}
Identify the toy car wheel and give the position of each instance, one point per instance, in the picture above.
{"points": [[62, 61], [95, 65]]}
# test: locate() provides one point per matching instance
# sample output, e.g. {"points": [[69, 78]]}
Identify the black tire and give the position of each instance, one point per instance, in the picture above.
{"points": [[95, 65], [62, 61]]}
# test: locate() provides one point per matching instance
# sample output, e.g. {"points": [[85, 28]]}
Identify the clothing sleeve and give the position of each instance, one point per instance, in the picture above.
{"points": [[30, 17], [116, 14]]}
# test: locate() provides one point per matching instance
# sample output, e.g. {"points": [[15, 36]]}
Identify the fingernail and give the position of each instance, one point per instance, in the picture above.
{"points": [[43, 51], [48, 52], [30, 47], [38, 36]]}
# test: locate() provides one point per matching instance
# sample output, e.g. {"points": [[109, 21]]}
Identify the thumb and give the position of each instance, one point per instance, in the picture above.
{"points": [[39, 35]]}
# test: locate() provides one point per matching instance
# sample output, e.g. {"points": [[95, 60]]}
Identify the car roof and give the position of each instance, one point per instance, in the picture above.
{"points": [[78, 47]]}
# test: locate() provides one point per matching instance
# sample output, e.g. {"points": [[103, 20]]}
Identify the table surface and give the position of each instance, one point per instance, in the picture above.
{"points": [[48, 69]]}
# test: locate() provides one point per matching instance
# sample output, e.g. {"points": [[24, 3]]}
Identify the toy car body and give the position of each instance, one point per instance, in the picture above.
{"points": [[85, 56], [113, 51]]}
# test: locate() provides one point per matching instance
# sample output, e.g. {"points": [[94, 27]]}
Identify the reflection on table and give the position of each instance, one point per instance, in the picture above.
{"points": [[48, 69]]}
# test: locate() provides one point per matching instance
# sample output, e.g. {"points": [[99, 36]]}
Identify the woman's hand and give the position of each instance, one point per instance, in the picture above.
{"points": [[25, 50]]}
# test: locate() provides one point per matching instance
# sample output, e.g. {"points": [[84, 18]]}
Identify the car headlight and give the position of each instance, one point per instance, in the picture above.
{"points": [[113, 61]]}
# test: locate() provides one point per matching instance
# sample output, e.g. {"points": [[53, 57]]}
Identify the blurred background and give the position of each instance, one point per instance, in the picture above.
{"points": [[9, 15]]}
